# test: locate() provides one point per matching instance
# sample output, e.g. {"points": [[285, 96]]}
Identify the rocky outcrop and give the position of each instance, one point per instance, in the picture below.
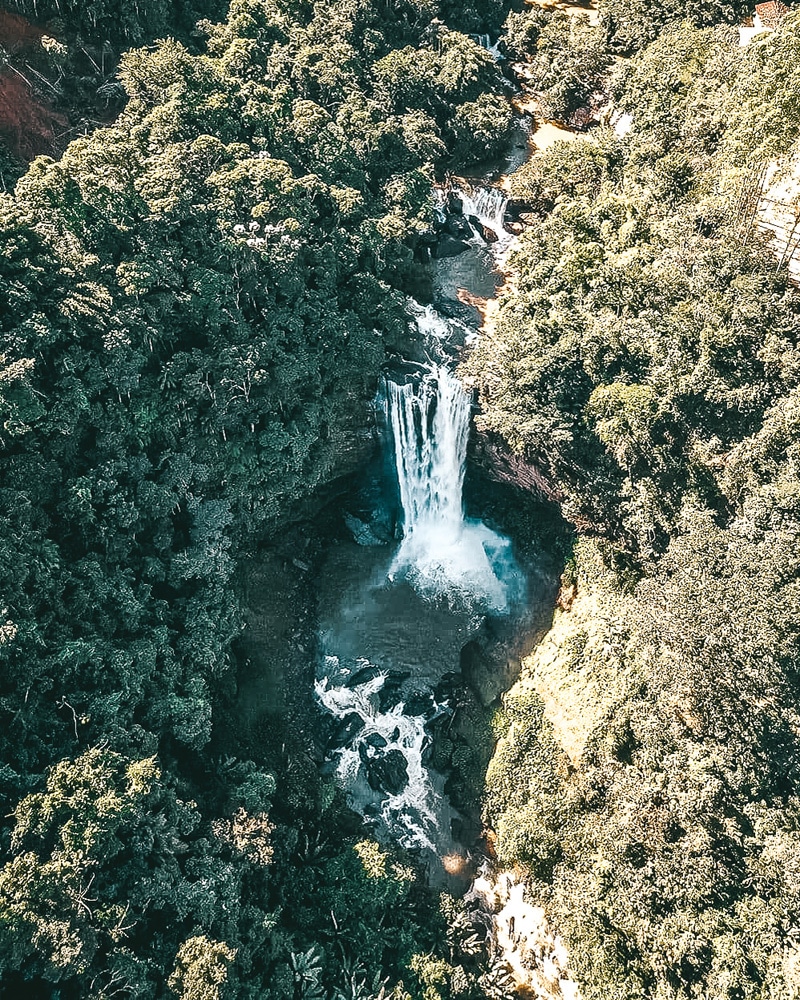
{"points": [[386, 772], [493, 456], [487, 673]]}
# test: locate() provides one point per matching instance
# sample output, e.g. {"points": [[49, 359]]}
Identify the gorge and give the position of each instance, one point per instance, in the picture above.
{"points": [[398, 584]]}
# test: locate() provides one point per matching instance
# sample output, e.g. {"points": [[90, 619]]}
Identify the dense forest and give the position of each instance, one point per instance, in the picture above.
{"points": [[645, 360], [196, 301]]}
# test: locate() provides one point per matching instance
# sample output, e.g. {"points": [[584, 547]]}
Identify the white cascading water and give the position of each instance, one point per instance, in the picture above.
{"points": [[437, 329], [414, 815], [445, 558], [442, 554], [488, 205], [485, 42]]}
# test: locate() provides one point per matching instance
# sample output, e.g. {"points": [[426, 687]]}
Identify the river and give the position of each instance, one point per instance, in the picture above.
{"points": [[421, 581]]}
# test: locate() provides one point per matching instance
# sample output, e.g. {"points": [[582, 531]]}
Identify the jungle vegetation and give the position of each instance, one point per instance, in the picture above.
{"points": [[195, 302], [645, 359]]}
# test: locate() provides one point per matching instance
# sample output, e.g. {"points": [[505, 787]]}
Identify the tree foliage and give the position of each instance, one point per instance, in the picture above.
{"points": [[627, 376], [645, 361], [197, 300]]}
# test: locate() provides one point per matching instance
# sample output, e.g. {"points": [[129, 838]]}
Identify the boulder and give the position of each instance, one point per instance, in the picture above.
{"points": [[455, 204], [348, 727], [459, 227], [363, 676], [390, 694], [362, 533], [418, 703], [387, 772]]}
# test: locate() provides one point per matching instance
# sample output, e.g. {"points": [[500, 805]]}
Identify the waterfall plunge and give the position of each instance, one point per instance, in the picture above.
{"points": [[442, 555], [488, 206], [385, 699]]}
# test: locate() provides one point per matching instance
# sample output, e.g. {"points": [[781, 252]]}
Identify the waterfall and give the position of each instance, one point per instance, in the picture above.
{"points": [[386, 703], [488, 206], [442, 554], [485, 42], [430, 426]]}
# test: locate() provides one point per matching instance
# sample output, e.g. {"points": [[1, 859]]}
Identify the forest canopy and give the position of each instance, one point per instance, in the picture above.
{"points": [[196, 300], [645, 362]]}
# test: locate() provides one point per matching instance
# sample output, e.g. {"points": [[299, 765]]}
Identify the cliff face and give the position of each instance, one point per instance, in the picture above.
{"points": [[493, 456], [27, 120]]}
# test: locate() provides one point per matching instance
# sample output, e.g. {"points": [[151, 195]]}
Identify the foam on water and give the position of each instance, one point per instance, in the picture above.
{"points": [[413, 817], [488, 205], [442, 554]]}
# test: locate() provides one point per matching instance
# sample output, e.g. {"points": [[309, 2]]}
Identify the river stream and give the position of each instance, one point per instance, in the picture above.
{"points": [[420, 579]]}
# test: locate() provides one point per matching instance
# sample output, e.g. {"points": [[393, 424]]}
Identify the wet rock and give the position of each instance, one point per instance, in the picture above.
{"points": [[363, 676], [347, 728], [361, 531], [448, 688], [488, 234], [515, 208], [388, 772], [418, 703], [376, 740], [328, 768], [459, 227], [428, 237], [440, 721], [391, 692], [455, 204], [449, 246], [453, 308]]}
